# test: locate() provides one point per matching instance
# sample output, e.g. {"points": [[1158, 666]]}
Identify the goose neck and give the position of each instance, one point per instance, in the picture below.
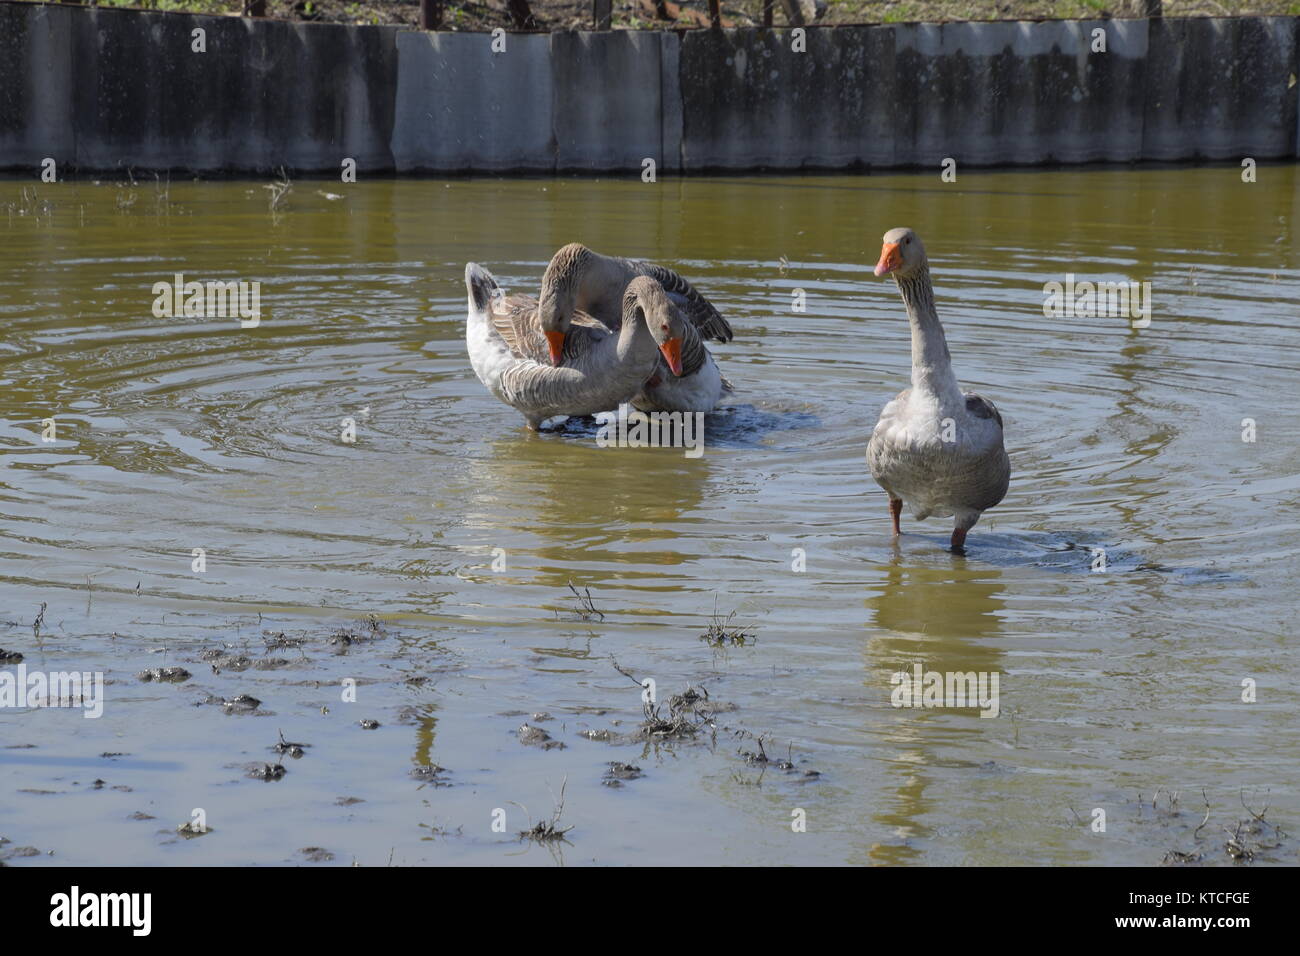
{"points": [[931, 361]]}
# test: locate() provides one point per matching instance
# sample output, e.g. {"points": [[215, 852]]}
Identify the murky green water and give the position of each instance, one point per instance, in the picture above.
{"points": [[182, 433]]}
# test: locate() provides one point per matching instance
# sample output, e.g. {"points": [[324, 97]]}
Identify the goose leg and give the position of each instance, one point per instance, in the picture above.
{"points": [[895, 510], [963, 524]]}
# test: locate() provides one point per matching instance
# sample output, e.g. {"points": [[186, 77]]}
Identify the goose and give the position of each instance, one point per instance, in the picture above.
{"points": [[936, 447], [601, 369], [686, 378], [579, 279]]}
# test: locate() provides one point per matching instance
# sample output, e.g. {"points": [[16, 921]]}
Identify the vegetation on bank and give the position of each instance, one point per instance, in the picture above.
{"points": [[669, 14]]}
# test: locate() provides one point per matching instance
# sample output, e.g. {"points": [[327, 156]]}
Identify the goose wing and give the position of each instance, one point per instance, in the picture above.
{"points": [[981, 407], [699, 310], [514, 317]]}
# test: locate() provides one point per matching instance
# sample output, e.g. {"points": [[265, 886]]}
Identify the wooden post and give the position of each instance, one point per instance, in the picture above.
{"points": [[1153, 8], [430, 14], [715, 14], [601, 13], [769, 10], [255, 8]]}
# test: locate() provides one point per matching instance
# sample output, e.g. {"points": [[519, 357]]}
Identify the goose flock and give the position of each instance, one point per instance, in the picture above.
{"points": [[607, 331]]}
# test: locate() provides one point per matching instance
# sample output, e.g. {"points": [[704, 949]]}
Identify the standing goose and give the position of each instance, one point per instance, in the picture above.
{"points": [[579, 279], [601, 369], [936, 447]]}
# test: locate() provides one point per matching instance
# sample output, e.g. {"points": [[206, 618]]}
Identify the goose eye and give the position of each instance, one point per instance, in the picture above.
{"points": [[664, 327]]}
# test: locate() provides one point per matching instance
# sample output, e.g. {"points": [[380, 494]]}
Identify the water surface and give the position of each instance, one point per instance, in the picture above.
{"points": [[182, 433]]}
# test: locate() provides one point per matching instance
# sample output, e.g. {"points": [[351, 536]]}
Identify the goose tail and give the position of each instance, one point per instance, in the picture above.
{"points": [[482, 287]]}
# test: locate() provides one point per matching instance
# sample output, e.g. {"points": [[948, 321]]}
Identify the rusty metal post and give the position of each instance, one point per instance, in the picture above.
{"points": [[715, 14]]}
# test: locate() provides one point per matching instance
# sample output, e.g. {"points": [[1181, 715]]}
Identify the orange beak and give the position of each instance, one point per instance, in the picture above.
{"points": [[891, 257], [672, 353], [556, 341]]}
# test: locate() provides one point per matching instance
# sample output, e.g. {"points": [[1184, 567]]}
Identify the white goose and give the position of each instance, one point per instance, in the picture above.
{"points": [[936, 447], [601, 369], [579, 279]]}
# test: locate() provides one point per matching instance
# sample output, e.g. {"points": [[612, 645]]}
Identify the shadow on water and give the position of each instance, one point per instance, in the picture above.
{"points": [[731, 426], [1070, 552]]}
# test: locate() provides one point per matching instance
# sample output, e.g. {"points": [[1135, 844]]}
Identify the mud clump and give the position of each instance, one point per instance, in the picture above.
{"points": [[763, 761], [531, 736], [280, 641], [369, 724], [292, 748], [239, 704], [1248, 838], [165, 675], [19, 852], [316, 854], [9, 657], [267, 772], [345, 637], [191, 830], [222, 661], [688, 713], [620, 772], [431, 774]]}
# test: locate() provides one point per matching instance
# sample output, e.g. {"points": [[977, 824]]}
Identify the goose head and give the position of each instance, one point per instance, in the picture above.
{"points": [[902, 254], [645, 300], [559, 296]]}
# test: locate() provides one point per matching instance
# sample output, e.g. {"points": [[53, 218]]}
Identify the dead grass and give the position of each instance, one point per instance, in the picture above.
{"points": [[724, 632]]}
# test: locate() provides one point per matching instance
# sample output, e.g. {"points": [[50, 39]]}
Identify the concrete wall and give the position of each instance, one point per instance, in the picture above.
{"points": [[102, 89]]}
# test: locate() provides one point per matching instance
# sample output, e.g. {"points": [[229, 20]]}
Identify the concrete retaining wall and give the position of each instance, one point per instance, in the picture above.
{"points": [[104, 89]]}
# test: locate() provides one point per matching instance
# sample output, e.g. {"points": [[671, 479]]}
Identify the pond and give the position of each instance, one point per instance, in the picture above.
{"points": [[195, 505]]}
